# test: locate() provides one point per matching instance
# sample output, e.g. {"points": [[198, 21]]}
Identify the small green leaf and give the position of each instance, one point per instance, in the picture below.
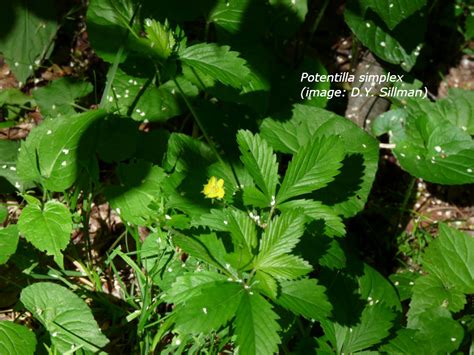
{"points": [[161, 38], [16, 339], [305, 297], [211, 309], [256, 326], [219, 62], [48, 228], [312, 167], [8, 242], [65, 316], [260, 161]]}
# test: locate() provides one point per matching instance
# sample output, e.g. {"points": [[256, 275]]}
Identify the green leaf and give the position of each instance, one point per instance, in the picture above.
{"points": [[65, 316], [434, 141], [207, 248], [211, 309], [55, 151], [60, 96], [451, 259], [190, 285], [266, 284], [393, 12], [317, 211], [287, 267], [161, 38], [306, 298], [256, 326], [348, 193], [401, 45], [8, 242], [260, 161], [8, 162], [314, 166], [16, 339], [28, 29], [219, 62], [3, 213], [373, 326], [140, 184], [48, 228]]}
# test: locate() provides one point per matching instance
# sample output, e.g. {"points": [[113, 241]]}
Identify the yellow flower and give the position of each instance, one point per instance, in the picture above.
{"points": [[214, 188]]}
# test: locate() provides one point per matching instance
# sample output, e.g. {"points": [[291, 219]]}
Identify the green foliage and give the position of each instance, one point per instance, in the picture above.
{"points": [[65, 316], [8, 242], [434, 140], [16, 339]]}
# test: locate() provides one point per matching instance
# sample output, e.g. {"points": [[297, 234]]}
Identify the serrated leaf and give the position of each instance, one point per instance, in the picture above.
{"points": [[266, 284], [48, 228], [28, 29], [217, 61], [16, 339], [55, 151], [140, 185], [260, 161], [8, 242], [281, 236], [304, 297], [59, 97], [287, 267], [314, 166], [373, 326], [207, 248], [67, 318], [256, 326], [8, 162], [317, 211], [211, 309]]}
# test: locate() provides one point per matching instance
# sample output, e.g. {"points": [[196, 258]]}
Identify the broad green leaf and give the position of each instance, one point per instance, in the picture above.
{"points": [[393, 12], [161, 38], [314, 166], [219, 62], [348, 193], [404, 282], [47, 227], [60, 96], [207, 248], [256, 326], [28, 29], [404, 343], [266, 284], [189, 285], [65, 316], [304, 297], [242, 229], [376, 288], [450, 257], [373, 326], [140, 185], [211, 309], [401, 45], [260, 161], [434, 140], [16, 339], [55, 151], [8, 242]]}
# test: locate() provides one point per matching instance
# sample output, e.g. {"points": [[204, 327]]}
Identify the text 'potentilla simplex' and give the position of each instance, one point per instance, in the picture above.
{"points": [[350, 78]]}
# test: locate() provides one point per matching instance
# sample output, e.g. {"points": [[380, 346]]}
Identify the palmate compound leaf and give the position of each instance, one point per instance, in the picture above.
{"points": [[65, 316], [56, 150], [304, 297], [260, 161], [8, 242], [16, 339], [219, 62], [256, 326], [313, 167], [47, 227]]}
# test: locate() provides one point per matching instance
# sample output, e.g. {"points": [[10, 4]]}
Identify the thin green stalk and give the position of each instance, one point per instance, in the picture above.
{"points": [[318, 19]]}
